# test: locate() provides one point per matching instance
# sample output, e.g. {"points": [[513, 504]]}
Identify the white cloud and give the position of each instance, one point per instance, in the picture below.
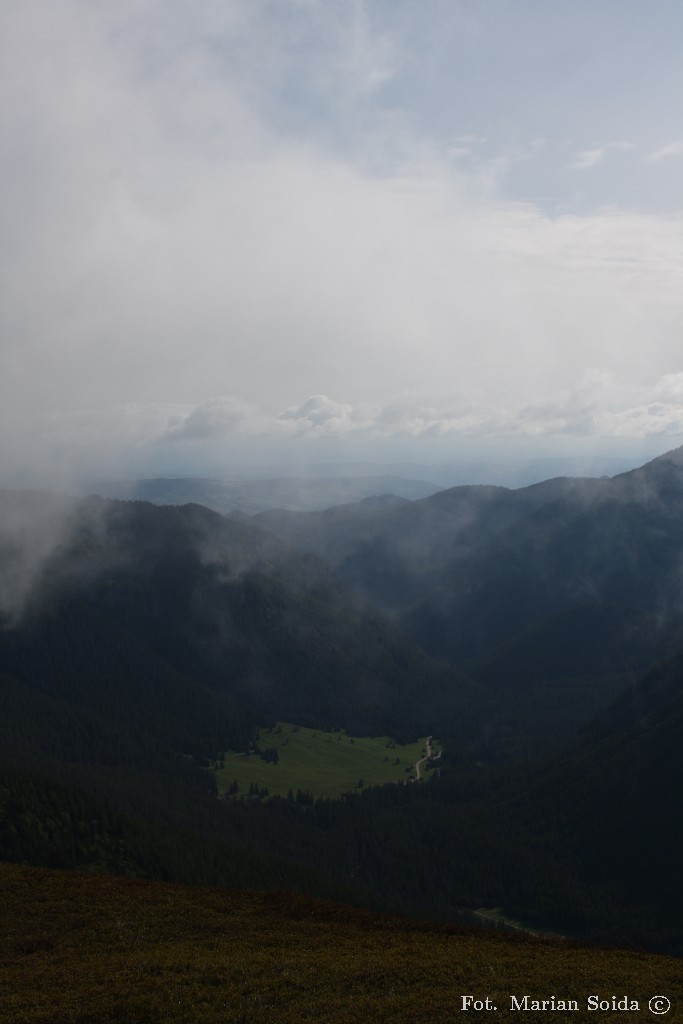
{"points": [[588, 158], [216, 420], [321, 416], [596, 403], [673, 149], [222, 432], [171, 234]]}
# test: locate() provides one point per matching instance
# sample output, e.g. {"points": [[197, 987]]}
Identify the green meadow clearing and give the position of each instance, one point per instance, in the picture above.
{"points": [[325, 764]]}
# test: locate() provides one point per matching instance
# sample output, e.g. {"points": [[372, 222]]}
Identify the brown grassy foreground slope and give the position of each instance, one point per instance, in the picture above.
{"points": [[85, 949]]}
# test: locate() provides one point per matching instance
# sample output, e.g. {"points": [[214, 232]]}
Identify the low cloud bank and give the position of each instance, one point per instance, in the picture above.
{"points": [[155, 438]]}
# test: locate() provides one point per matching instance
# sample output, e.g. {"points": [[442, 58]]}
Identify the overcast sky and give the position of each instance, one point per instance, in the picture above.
{"points": [[325, 228]]}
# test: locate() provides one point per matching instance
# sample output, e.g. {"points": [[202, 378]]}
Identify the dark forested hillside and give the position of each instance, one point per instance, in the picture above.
{"points": [[138, 642], [470, 567], [613, 803], [56, 824], [150, 639], [566, 586], [629, 769], [222, 607]]}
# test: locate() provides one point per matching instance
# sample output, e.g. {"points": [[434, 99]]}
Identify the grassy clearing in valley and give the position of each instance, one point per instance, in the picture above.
{"points": [[92, 949], [326, 764]]}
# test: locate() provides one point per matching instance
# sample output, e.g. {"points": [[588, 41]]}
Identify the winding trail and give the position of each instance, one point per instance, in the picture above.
{"points": [[423, 760]]}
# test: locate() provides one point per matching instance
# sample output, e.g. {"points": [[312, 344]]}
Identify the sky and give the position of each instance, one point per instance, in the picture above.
{"points": [[319, 230]]}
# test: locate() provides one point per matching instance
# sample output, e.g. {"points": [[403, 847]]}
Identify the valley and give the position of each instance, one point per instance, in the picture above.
{"points": [[538, 633]]}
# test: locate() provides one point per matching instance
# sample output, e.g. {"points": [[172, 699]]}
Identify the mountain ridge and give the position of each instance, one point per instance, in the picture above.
{"points": [[154, 635]]}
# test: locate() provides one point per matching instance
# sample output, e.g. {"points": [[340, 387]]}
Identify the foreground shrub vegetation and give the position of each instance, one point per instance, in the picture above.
{"points": [[81, 948]]}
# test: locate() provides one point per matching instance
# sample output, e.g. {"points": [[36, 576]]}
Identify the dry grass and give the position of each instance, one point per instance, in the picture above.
{"points": [[80, 949]]}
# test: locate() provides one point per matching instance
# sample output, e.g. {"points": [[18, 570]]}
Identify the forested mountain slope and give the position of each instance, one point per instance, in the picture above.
{"points": [[563, 586], [470, 567], [140, 641], [225, 605], [627, 782], [150, 639], [612, 806]]}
